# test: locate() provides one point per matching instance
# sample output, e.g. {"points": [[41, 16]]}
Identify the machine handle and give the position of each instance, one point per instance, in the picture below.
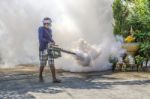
{"points": [[68, 52], [62, 50]]}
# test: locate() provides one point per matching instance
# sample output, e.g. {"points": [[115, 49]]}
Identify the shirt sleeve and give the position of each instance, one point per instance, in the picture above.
{"points": [[51, 38], [41, 38]]}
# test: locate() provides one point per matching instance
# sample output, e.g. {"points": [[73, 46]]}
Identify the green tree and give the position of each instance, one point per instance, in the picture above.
{"points": [[120, 14], [135, 14], [140, 21]]}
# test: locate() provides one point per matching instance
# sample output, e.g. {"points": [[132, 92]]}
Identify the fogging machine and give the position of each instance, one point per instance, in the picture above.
{"points": [[56, 51]]}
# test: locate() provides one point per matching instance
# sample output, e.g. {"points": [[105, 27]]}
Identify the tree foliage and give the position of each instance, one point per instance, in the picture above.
{"points": [[120, 14], [135, 14]]}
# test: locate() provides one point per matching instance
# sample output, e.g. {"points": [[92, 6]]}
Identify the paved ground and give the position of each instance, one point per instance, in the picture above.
{"points": [[23, 84]]}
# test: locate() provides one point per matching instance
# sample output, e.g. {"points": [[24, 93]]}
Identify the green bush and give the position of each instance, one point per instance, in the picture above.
{"points": [[139, 59]]}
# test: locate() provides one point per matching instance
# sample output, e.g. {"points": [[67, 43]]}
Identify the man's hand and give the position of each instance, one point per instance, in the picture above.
{"points": [[51, 44]]}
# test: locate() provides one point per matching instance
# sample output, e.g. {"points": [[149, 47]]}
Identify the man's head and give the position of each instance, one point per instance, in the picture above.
{"points": [[47, 22]]}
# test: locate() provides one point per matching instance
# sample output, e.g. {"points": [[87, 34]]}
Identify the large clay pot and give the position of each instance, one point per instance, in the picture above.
{"points": [[131, 48]]}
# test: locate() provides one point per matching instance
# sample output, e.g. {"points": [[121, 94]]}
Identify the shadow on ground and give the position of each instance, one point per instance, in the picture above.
{"points": [[18, 88]]}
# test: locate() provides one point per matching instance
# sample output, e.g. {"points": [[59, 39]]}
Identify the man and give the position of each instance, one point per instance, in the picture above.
{"points": [[45, 39]]}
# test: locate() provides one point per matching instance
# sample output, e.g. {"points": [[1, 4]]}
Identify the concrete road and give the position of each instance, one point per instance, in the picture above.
{"points": [[96, 85]]}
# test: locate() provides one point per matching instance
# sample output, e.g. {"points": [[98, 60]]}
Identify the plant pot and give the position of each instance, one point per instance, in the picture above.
{"points": [[131, 48]]}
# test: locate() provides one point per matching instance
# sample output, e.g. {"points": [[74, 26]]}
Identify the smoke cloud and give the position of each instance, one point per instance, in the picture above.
{"points": [[84, 27]]}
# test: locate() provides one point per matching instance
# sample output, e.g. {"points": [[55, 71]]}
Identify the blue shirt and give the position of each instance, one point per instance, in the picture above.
{"points": [[45, 37]]}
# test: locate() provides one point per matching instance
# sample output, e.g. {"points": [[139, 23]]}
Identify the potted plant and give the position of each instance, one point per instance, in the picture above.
{"points": [[139, 61], [130, 45]]}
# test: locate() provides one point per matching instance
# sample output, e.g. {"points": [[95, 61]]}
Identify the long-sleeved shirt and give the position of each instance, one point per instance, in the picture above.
{"points": [[45, 37]]}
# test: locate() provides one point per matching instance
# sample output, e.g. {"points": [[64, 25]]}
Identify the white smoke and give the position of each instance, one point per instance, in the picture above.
{"points": [[83, 58], [90, 20], [86, 54]]}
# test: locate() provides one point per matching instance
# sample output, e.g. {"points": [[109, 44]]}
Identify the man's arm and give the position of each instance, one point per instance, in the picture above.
{"points": [[51, 38], [41, 38]]}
